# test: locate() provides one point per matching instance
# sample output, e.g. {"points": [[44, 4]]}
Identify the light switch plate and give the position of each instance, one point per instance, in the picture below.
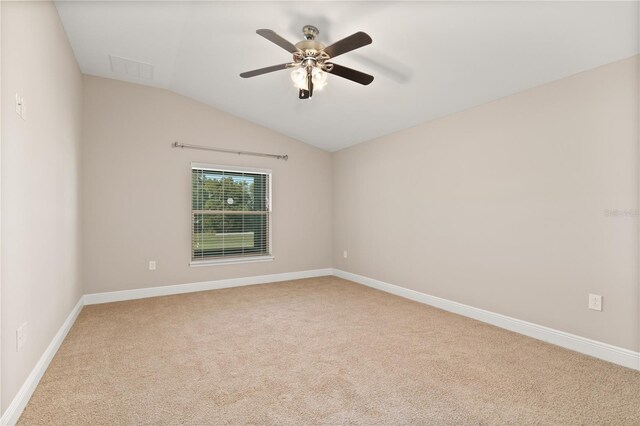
{"points": [[21, 108], [18, 104]]}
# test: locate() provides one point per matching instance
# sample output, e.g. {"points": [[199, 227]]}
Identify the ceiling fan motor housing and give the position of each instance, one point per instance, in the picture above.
{"points": [[310, 45]]}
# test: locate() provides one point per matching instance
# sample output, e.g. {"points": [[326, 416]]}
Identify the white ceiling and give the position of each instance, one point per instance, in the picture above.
{"points": [[429, 59]]}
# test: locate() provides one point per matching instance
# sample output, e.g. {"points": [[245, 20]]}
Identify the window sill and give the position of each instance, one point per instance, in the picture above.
{"points": [[232, 260]]}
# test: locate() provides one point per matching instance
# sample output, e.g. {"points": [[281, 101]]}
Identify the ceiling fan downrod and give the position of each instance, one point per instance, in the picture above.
{"points": [[310, 32]]}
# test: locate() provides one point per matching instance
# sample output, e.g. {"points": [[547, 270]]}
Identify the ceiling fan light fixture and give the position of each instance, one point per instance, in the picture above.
{"points": [[319, 78], [310, 66], [299, 78]]}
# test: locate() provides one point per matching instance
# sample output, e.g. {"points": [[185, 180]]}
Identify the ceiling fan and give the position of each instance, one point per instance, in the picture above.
{"points": [[310, 65]]}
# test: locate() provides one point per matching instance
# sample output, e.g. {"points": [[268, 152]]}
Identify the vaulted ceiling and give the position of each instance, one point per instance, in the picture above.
{"points": [[429, 59]]}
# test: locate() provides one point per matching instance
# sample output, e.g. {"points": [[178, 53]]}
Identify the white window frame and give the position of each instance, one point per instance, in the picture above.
{"points": [[239, 259]]}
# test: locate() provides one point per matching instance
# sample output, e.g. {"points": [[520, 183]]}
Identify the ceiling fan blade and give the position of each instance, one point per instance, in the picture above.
{"points": [[348, 44], [275, 38], [350, 74], [264, 70]]}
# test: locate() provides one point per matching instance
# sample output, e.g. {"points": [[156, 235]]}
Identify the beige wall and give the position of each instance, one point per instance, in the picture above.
{"points": [[40, 204], [137, 188], [502, 207]]}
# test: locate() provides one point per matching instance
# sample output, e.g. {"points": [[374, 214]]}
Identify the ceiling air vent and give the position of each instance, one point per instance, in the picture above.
{"points": [[130, 67]]}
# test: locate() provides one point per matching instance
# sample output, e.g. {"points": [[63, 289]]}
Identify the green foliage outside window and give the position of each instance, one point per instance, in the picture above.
{"points": [[230, 213]]}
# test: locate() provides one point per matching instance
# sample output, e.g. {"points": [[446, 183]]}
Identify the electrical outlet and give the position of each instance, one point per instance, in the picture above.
{"points": [[21, 336], [152, 265], [595, 302], [344, 254]]}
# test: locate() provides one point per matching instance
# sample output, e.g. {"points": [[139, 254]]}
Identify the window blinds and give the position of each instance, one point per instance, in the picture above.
{"points": [[231, 213]]}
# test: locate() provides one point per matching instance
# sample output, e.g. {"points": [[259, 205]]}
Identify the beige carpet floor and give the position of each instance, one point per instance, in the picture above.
{"points": [[316, 351]]}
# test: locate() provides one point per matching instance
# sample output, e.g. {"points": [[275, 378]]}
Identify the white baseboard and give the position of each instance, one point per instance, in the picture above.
{"points": [[615, 354], [13, 412], [594, 348], [141, 293]]}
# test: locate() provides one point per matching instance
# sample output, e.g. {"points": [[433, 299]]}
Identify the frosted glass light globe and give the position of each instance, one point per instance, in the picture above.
{"points": [[299, 77], [319, 78]]}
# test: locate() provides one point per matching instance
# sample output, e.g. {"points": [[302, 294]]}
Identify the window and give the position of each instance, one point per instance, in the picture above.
{"points": [[230, 214]]}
